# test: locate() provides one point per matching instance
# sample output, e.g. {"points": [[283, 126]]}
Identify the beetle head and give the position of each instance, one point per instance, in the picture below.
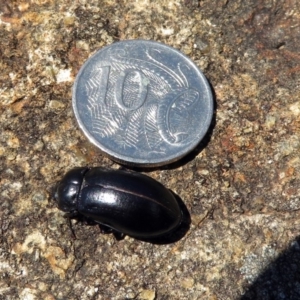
{"points": [[68, 189]]}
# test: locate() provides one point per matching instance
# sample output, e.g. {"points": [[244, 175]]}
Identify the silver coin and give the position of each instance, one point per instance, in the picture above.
{"points": [[142, 102]]}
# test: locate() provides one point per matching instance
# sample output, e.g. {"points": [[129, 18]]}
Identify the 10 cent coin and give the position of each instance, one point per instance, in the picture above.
{"points": [[142, 102]]}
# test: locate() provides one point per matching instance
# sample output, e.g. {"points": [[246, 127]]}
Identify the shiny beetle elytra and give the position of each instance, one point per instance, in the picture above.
{"points": [[120, 201]]}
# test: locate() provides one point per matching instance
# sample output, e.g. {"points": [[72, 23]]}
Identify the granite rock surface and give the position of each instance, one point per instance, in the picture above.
{"points": [[241, 185]]}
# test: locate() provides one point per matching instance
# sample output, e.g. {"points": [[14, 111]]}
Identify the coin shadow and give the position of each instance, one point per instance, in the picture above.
{"points": [[191, 155], [280, 279]]}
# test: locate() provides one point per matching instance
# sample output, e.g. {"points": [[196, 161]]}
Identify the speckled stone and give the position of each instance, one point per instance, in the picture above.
{"points": [[241, 186]]}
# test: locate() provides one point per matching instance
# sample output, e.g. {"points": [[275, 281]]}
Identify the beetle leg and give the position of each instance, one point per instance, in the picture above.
{"points": [[105, 229], [118, 235], [70, 226], [71, 214]]}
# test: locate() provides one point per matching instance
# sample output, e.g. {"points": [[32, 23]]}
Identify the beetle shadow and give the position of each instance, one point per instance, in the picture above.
{"points": [[280, 279], [176, 234]]}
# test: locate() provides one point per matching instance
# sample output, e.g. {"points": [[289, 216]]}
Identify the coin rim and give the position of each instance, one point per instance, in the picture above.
{"points": [[125, 159]]}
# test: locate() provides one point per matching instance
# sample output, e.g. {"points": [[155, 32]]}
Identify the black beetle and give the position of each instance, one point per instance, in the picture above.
{"points": [[121, 201]]}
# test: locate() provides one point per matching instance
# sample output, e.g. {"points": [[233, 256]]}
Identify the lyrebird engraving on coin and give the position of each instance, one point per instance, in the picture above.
{"points": [[142, 102]]}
